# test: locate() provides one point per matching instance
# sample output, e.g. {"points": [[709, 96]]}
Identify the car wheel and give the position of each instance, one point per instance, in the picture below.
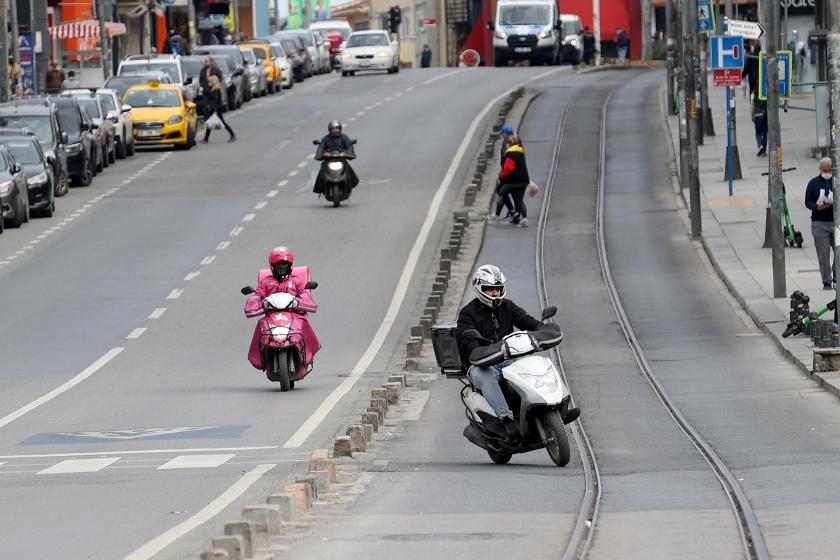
{"points": [[105, 160], [397, 68], [20, 213], [98, 165], [120, 147], [62, 187], [87, 175], [49, 210], [129, 150], [112, 155]]}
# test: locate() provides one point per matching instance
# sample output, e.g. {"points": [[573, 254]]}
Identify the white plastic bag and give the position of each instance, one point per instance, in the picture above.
{"points": [[213, 122], [532, 189]]}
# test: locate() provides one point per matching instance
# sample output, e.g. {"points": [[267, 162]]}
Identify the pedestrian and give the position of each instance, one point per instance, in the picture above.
{"points": [[588, 46], [426, 57], [820, 201], [13, 74], [759, 117], [71, 81], [211, 81], [514, 179], [750, 70], [55, 78], [622, 43], [176, 44]]}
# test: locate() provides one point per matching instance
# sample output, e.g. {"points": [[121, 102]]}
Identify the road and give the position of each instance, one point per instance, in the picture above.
{"points": [[122, 336]]}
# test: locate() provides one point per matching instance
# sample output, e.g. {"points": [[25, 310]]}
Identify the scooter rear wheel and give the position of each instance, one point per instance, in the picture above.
{"points": [[283, 364], [499, 457], [556, 442]]}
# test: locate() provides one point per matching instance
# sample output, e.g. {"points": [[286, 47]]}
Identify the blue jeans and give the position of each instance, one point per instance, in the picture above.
{"points": [[622, 53], [486, 380], [760, 122]]}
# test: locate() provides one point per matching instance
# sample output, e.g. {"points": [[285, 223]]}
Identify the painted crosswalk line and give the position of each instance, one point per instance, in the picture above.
{"points": [[79, 466], [196, 461]]}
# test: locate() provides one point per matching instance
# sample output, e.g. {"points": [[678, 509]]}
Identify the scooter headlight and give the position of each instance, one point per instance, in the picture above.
{"points": [[546, 380], [334, 166], [280, 331]]}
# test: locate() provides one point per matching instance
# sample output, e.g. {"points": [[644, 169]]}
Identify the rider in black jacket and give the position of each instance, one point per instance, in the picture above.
{"points": [[335, 140], [494, 317]]}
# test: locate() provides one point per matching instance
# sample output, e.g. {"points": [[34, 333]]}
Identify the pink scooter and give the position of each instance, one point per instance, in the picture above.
{"points": [[284, 343]]}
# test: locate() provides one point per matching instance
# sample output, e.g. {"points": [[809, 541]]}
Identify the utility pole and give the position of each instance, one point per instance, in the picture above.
{"points": [[4, 52], [104, 50], [596, 29], [834, 90], [669, 54], [689, 20], [731, 114], [708, 123], [774, 150], [646, 14], [192, 39], [13, 48]]}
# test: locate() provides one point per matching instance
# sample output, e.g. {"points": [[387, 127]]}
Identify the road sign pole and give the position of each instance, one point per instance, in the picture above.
{"points": [[735, 163], [729, 138], [692, 116]]}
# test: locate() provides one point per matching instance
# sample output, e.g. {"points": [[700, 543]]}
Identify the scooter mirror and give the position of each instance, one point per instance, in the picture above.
{"points": [[311, 285], [352, 142], [247, 290], [549, 312], [316, 142]]}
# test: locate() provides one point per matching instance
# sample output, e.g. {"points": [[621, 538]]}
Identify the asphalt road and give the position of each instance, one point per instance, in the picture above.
{"points": [[441, 497], [122, 340]]}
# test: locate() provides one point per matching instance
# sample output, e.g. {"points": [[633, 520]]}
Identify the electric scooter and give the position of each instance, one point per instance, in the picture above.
{"points": [[792, 236], [801, 318]]}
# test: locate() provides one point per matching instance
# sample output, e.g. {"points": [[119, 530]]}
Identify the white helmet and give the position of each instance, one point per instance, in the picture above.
{"points": [[488, 276]]}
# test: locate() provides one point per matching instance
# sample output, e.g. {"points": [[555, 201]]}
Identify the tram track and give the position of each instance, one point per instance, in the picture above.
{"points": [[586, 523]]}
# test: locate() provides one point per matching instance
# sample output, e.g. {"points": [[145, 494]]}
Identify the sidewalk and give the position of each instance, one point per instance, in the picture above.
{"points": [[733, 228]]}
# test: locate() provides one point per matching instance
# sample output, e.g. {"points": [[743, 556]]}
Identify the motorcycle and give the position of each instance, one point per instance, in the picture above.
{"points": [[284, 344], [337, 174], [533, 387]]}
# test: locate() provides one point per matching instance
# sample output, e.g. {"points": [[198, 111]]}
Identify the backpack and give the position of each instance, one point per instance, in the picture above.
{"points": [[175, 46]]}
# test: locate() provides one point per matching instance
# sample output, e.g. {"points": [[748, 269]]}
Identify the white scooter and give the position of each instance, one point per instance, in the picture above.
{"points": [[533, 387]]}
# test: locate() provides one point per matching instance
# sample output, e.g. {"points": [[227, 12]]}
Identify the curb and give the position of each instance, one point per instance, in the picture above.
{"points": [[729, 268]]}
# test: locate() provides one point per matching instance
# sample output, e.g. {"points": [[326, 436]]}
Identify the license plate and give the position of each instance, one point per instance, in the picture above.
{"points": [[364, 63], [522, 49], [148, 132]]}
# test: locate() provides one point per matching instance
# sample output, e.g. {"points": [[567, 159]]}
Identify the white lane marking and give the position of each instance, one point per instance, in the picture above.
{"points": [[212, 509], [35, 241], [136, 333], [543, 75], [196, 461], [175, 294], [236, 231], [388, 98], [191, 275], [223, 245], [64, 387], [272, 194], [369, 107], [42, 236], [303, 188], [150, 451], [351, 119], [378, 103], [293, 172], [311, 423], [2, 463], [442, 76], [260, 205], [303, 163], [20, 252], [410, 88], [79, 466], [360, 114], [207, 260], [27, 247], [398, 94], [248, 217], [12, 257], [157, 313]]}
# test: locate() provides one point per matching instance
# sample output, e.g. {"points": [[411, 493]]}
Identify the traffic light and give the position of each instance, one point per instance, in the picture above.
{"points": [[394, 18]]}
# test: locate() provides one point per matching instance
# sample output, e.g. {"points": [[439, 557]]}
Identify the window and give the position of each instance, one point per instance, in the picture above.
{"points": [[571, 28], [171, 69], [248, 55], [371, 40], [38, 124], [524, 15], [24, 153], [90, 105], [108, 101], [153, 98]]}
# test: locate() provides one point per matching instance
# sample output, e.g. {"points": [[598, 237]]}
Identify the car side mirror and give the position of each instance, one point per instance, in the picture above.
{"points": [[64, 138], [94, 126], [549, 312], [16, 168], [238, 72], [311, 285], [188, 80], [84, 126], [125, 108], [191, 105], [50, 160], [316, 142], [353, 142], [490, 26], [247, 290]]}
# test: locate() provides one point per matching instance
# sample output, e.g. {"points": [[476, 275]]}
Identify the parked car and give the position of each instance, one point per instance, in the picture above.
{"points": [[162, 115], [103, 126], [14, 203], [287, 78], [81, 149], [334, 39], [291, 42], [266, 56], [308, 40], [122, 83], [370, 50], [40, 117], [323, 52], [234, 81], [571, 49], [237, 70], [40, 182], [169, 63], [120, 115], [256, 72]]}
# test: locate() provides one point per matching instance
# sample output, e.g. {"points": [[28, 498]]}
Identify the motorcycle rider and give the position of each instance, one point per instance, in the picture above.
{"points": [[280, 262], [334, 140], [494, 317]]}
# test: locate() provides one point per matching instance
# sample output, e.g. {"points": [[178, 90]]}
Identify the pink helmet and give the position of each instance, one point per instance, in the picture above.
{"points": [[280, 261]]}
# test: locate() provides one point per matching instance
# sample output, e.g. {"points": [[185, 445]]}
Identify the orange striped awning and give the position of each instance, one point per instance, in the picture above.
{"points": [[85, 29]]}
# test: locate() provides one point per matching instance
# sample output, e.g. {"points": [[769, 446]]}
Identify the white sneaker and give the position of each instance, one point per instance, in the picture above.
{"points": [[523, 222]]}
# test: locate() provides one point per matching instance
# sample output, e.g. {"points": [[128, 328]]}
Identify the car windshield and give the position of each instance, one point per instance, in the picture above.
{"points": [[571, 27], [109, 102], [307, 38], [524, 15], [278, 51], [71, 120], [91, 106], [193, 65], [153, 98], [344, 32], [25, 152], [248, 55], [170, 68], [290, 47], [38, 124], [368, 40], [122, 83], [230, 51]]}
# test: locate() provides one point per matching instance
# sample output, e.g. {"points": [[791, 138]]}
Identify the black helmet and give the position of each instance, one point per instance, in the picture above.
{"points": [[333, 124]]}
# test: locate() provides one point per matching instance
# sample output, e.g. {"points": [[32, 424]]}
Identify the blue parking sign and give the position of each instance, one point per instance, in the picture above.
{"points": [[727, 52], [785, 61], [705, 16]]}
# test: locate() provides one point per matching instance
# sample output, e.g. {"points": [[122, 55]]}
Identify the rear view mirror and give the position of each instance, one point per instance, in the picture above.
{"points": [[247, 290], [125, 108], [64, 138], [549, 312], [353, 142], [311, 285], [188, 80]]}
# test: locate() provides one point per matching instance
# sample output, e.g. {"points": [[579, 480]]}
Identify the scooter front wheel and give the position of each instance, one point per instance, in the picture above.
{"points": [[499, 457], [282, 369], [556, 442]]}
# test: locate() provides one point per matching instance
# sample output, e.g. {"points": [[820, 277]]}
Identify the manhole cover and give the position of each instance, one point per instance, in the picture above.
{"points": [[420, 537]]}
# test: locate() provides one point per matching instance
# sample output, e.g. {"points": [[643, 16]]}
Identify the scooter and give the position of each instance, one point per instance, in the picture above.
{"points": [[337, 187], [286, 341], [801, 318], [533, 387], [792, 236]]}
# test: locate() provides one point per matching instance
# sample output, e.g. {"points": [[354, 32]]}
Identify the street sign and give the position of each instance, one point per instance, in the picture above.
{"points": [[705, 17], [728, 78], [27, 64], [727, 52], [785, 61], [746, 29]]}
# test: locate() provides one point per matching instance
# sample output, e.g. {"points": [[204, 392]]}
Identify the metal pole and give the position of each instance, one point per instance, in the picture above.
{"points": [[708, 123], [596, 29], [191, 25], [646, 47], [774, 151], [692, 121], [4, 53], [729, 138], [103, 39], [669, 56], [38, 17], [833, 52], [732, 131]]}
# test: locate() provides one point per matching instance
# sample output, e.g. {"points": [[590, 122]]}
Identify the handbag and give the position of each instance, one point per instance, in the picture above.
{"points": [[213, 122], [532, 189]]}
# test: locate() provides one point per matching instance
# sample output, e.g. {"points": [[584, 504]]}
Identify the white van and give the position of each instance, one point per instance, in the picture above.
{"points": [[325, 25], [572, 39], [526, 30]]}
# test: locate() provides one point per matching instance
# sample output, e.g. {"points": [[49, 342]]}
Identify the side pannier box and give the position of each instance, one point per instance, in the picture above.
{"points": [[445, 344]]}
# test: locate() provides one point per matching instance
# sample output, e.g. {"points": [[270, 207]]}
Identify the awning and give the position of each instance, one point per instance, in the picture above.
{"points": [[86, 29]]}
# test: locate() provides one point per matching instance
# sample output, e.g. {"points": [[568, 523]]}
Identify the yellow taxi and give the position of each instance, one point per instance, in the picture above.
{"points": [[161, 115], [266, 55]]}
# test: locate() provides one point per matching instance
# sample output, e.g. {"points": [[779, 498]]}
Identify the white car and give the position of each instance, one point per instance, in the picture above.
{"points": [[287, 78], [169, 63], [370, 50], [120, 115]]}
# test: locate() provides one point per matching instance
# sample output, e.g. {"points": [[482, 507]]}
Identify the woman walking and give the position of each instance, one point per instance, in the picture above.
{"points": [[514, 179], [211, 80]]}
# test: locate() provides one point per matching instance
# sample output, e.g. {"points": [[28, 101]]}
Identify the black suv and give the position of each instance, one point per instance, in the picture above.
{"points": [[81, 146], [27, 152], [41, 118]]}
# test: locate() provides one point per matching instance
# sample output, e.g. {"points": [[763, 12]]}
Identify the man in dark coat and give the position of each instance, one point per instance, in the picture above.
{"points": [[334, 140], [588, 46], [819, 200]]}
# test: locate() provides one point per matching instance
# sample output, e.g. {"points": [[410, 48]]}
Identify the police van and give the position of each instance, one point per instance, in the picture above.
{"points": [[527, 30]]}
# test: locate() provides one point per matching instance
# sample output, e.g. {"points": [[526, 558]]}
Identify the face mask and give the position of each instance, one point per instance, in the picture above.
{"points": [[826, 176]]}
